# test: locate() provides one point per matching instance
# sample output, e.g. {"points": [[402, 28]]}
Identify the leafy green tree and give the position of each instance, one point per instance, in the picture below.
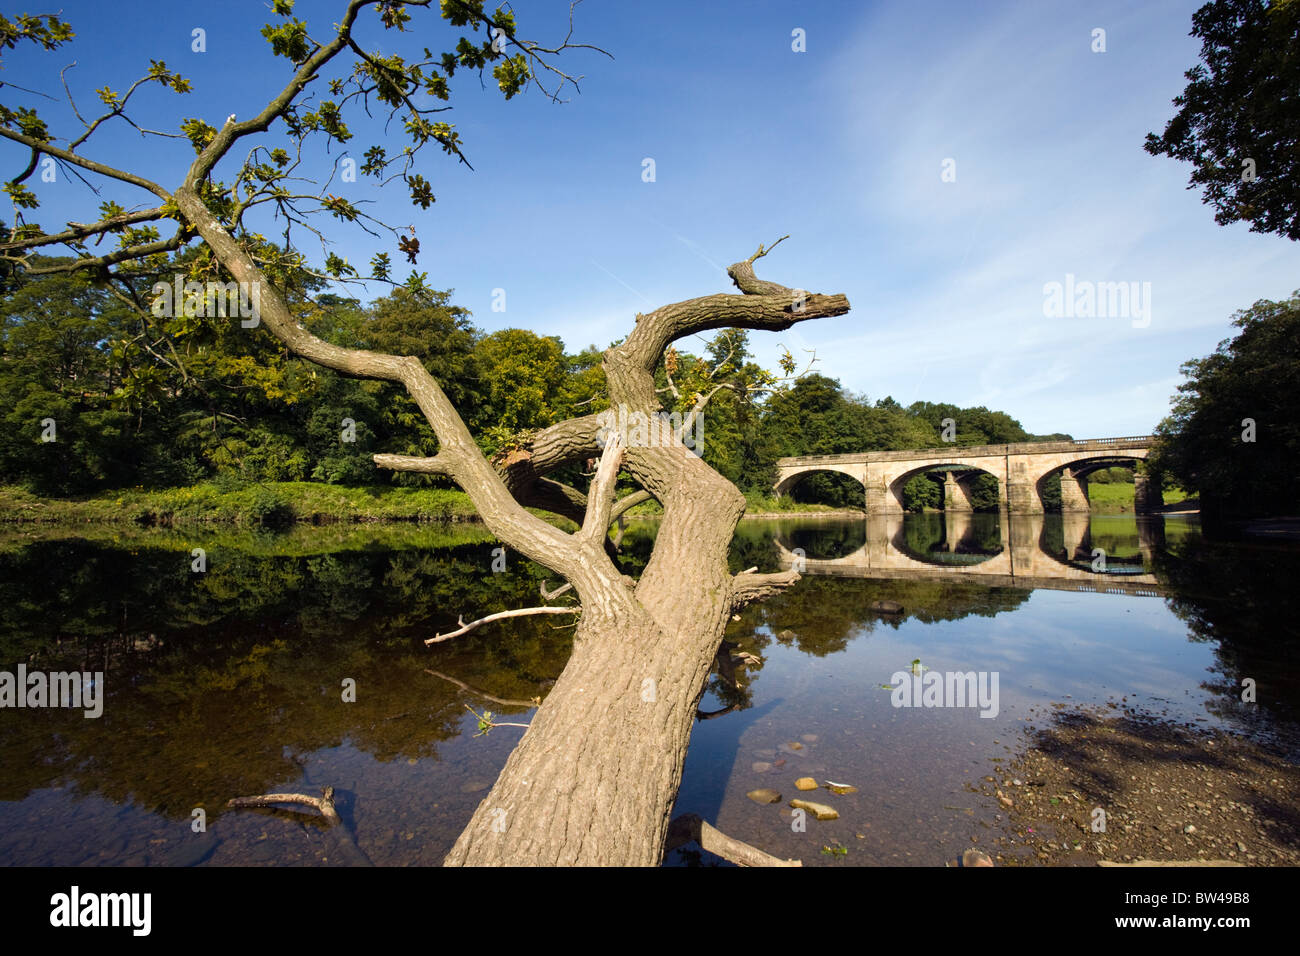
{"points": [[1234, 432], [64, 430], [521, 373], [1238, 120]]}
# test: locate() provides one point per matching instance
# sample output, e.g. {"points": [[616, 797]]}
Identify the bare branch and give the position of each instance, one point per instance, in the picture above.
{"points": [[80, 231], [90, 164], [699, 407], [627, 502], [742, 273], [500, 615], [765, 305], [552, 595], [427, 466]]}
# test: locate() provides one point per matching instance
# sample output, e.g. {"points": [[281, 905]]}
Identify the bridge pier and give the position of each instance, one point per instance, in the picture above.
{"points": [[1022, 498], [1074, 493], [955, 497], [1022, 487], [881, 501], [1148, 498]]}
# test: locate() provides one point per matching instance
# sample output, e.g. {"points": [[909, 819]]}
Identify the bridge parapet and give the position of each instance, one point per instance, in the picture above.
{"points": [[974, 451]]}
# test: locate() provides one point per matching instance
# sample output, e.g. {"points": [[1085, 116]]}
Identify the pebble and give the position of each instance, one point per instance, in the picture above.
{"points": [[764, 796], [806, 783], [760, 766]]}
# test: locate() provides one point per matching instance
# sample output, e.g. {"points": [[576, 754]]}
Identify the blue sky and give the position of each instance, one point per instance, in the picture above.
{"points": [[841, 146]]}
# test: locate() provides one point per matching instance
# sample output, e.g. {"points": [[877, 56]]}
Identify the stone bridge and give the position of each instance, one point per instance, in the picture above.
{"points": [[1021, 470], [1025, 560]]}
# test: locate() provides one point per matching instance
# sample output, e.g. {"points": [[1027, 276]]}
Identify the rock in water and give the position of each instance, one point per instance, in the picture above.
{"points": [[819, 810], [887, 607], [834, 787], [764, 796], [806, 783], [974, 857], [760, 766]]}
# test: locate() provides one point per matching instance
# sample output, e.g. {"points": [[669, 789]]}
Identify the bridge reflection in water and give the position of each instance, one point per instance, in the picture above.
{"points": [[1025, 551]]}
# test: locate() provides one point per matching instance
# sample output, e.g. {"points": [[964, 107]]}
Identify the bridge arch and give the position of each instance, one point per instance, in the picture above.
{"points": [[787, 478], [957, 494], [1074, 472]]}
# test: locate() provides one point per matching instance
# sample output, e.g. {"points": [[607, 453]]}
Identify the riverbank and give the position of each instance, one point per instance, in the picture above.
{"points": [[253, 505], [285, 503], [1168, 791]]}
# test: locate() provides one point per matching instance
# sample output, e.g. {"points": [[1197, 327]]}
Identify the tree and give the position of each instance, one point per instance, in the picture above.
{"points": [[594, 778], [1234, 432], [1238, 120]]}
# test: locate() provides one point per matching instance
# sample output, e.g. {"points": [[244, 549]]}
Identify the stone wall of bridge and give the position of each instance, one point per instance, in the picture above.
{"points": [[1020, 469]]}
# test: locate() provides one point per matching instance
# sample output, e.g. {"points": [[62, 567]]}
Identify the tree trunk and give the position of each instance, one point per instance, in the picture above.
{"points": [[594, 779]]}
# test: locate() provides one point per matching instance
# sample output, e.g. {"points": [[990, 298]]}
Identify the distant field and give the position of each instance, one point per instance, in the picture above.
{"points": [[1117, 497]]}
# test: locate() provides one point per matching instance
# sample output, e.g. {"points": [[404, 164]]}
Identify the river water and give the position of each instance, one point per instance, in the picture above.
{"points": [[237, 664]]}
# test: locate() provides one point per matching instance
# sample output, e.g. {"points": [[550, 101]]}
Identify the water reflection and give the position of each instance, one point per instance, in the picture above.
{"points": [[1070, 552]]}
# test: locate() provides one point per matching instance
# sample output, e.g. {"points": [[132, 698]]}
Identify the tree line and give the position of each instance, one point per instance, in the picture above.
{"points": [[94, 397]]}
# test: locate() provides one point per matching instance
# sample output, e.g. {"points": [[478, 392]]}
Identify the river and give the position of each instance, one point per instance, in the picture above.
{"points": [[236, 664]]}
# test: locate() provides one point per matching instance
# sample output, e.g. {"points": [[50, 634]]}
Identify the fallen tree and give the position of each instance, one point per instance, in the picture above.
{"points": [[594, 778]]}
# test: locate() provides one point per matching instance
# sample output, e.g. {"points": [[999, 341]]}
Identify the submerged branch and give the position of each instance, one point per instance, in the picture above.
{"points": [[324, 804], [690, 828], [503, 701]]}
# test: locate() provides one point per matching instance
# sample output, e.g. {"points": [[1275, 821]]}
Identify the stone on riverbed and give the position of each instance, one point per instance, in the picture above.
{"points": [[819, 810], [764, 796]]}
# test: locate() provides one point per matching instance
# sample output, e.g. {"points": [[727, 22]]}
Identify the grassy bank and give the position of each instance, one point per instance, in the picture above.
{"points": [[267, 504]]}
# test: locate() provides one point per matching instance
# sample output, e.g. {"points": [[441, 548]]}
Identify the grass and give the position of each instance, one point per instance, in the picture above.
{"points": [[1117, 497], [253, 505]]}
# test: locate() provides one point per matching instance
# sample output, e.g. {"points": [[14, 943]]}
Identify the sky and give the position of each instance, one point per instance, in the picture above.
{"points": [[940, 164]]}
